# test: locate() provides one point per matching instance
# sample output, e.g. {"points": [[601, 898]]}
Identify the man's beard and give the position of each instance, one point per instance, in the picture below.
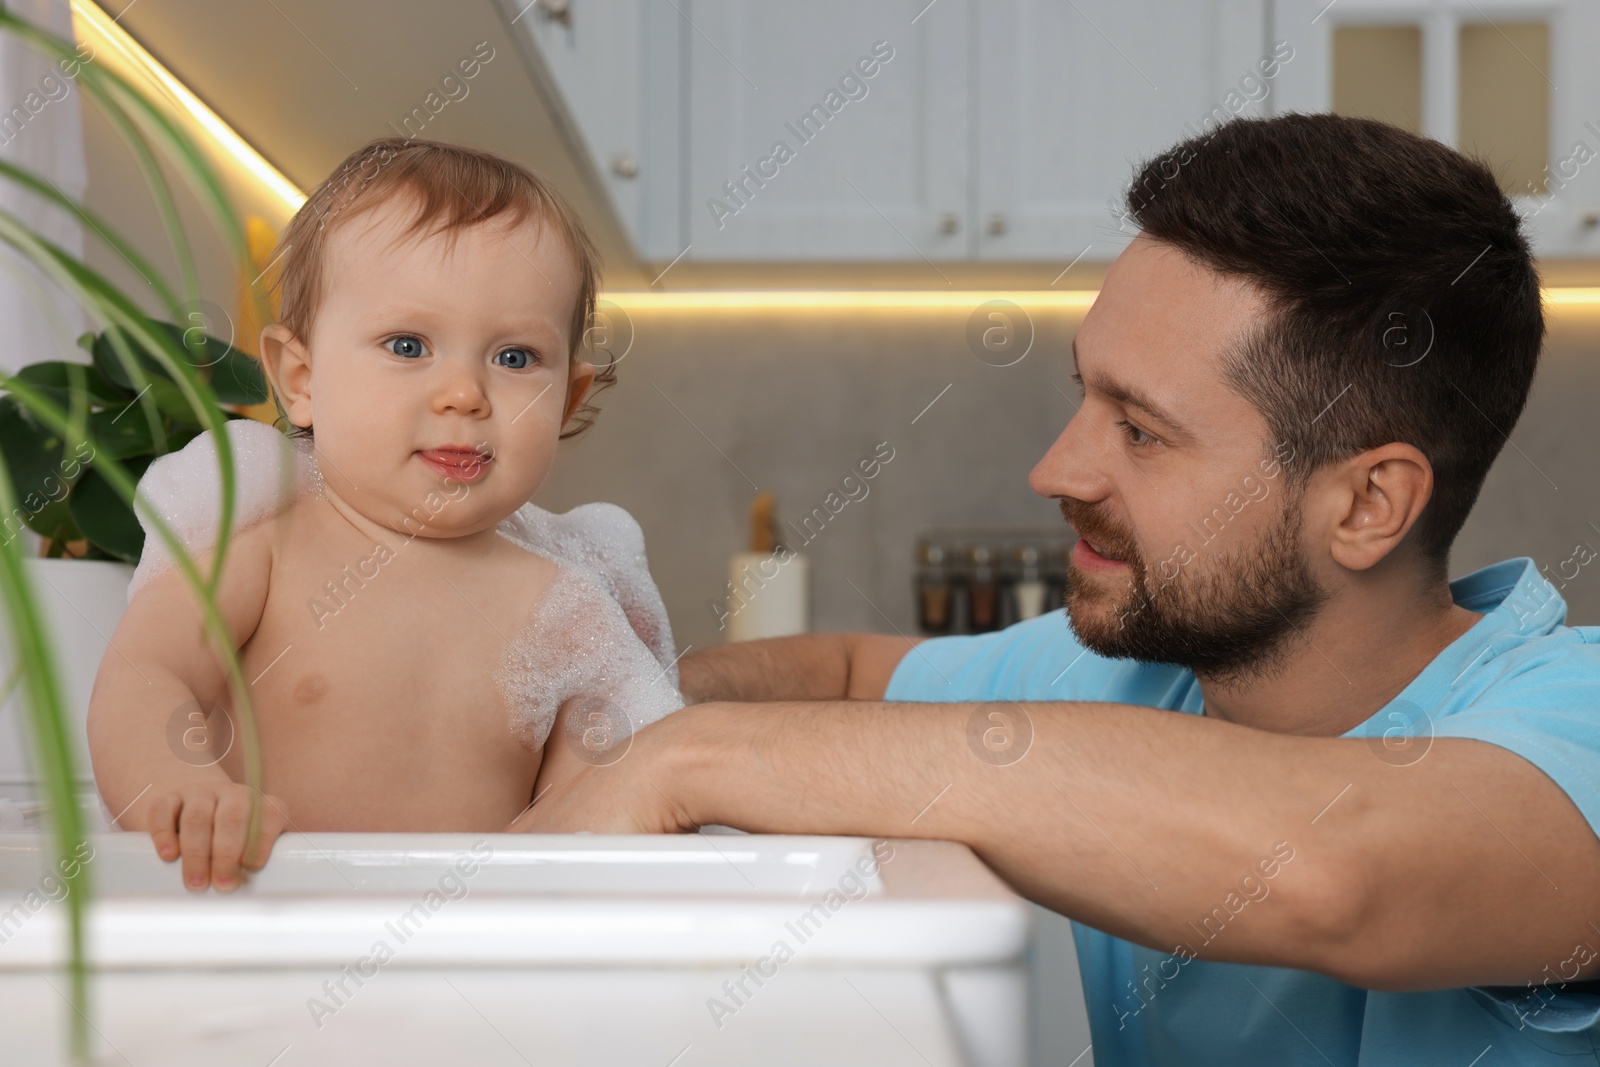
{"points": [[1233, 619]]}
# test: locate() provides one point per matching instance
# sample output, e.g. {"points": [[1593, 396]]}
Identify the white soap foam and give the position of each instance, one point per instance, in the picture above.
{"points": [[579, 643], [606, 541], [185, 488]]}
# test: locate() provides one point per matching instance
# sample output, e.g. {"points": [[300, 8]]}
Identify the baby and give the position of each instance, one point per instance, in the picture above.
{"points": [[411, 628]]}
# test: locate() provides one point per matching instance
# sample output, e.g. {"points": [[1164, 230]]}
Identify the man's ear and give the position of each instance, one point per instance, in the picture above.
{"points": [[579, 380], [1382, 494], [287, 364]]}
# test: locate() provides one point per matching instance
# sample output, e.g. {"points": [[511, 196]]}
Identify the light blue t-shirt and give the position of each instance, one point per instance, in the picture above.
{"points": [[1519, 678]]}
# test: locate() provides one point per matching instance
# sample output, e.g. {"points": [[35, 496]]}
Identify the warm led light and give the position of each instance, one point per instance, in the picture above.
{"points": [[829, 299], [932, 299], [93, 25], [1572, 297]]}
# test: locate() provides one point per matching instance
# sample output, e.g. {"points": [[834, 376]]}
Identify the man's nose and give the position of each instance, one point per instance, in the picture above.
{"points": [[1073, 465]]}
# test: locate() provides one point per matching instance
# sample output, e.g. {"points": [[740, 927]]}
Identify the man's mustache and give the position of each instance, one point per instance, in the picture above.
{"points": [[1093, 527]]}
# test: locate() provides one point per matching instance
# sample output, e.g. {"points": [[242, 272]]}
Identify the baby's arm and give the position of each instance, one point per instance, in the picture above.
{"points": [[592, 716], [587, 733], [161, 665], [559, 763]]}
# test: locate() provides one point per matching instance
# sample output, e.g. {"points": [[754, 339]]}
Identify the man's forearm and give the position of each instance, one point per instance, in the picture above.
{"points": [[1186, 834], [846, 666], [803, 667]]}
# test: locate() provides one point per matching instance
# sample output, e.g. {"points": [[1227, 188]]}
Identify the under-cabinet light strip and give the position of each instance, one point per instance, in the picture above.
{"points": [[933, 299], [102, 32]]}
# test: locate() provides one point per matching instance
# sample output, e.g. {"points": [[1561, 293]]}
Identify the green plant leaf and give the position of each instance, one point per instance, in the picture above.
{"points": [[171, 402], [103, 516], [121, 434], [131, 113], [56, 374], [106, 361], [184, 434], [54, 521], [33, 458], [203, 349], [237, 379]]}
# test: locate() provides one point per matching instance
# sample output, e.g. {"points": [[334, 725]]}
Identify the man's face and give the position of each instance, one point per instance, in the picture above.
{"points": [[418, 347], [1190, 531]]}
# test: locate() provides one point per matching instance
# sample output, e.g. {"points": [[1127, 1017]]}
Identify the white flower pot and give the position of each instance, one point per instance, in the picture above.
{"points": [[82, 602]]}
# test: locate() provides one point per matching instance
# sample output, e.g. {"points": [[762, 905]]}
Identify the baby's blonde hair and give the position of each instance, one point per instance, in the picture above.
{"points": [[456, 187]]}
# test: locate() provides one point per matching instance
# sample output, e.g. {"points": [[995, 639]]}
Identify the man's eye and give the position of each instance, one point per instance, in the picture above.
{"points": [[1134, 435], [516, 358], [406, 346]]}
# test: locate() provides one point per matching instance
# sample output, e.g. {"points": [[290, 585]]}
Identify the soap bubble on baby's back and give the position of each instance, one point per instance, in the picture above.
{"points": [[600, 632], [185, 489]]}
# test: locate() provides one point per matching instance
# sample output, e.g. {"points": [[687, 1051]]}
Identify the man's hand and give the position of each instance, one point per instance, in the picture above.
{"points": [[206, 823]]}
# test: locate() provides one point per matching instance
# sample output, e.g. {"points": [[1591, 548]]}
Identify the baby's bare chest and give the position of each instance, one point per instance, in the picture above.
{"points": [[369, 639]]}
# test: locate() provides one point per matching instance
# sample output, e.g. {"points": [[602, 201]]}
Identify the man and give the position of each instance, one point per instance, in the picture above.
{"points": [[1368, 834]]}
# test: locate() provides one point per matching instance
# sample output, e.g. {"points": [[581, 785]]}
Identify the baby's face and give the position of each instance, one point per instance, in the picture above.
{"points": [[416, 351]]}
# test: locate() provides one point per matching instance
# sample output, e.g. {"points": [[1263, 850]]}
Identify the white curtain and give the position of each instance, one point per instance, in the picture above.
{"points": [[41, 130]]}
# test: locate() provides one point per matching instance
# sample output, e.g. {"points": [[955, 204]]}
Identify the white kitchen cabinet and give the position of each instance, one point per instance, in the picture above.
{"points": [[678, 108], [959, 130], [987, 129], [1071, 96], [609, 70], [796, 151], [1565, 220]]}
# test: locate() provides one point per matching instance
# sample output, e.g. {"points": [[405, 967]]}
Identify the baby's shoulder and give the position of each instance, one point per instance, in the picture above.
{"points": [[597, 533], [568, 594], [523, 575], [610, 526], [606, 543], [182, 490]]}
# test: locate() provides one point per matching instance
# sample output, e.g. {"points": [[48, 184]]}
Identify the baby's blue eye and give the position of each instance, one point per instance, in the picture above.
{"points": [[519, 358], [406, 346]]}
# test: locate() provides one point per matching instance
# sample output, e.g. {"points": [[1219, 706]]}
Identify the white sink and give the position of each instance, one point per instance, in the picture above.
{"points": [[658, 951], [617, 947], [340, 864]]}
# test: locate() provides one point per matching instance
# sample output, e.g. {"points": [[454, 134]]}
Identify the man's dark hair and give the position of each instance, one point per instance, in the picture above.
{"points": [[1405, 303]]}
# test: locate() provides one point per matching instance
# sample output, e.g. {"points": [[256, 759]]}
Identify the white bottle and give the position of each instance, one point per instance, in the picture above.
{"points": [[1029, 590]]}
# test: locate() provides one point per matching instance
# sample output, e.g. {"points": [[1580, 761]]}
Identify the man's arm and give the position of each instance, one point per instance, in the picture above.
{"points": [[806, 667], [1179, 832]]}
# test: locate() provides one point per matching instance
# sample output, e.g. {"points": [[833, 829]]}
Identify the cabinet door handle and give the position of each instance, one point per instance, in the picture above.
{"points": [[949, 223], [556, 11], [996, 225], [623, 165]]}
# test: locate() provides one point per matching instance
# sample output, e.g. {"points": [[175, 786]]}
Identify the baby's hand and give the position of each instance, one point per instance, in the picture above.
{"points": [[207, 822]]}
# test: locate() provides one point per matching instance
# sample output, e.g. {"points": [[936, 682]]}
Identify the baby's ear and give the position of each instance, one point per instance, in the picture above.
{"points": [[579, 379], [287, 365]]}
